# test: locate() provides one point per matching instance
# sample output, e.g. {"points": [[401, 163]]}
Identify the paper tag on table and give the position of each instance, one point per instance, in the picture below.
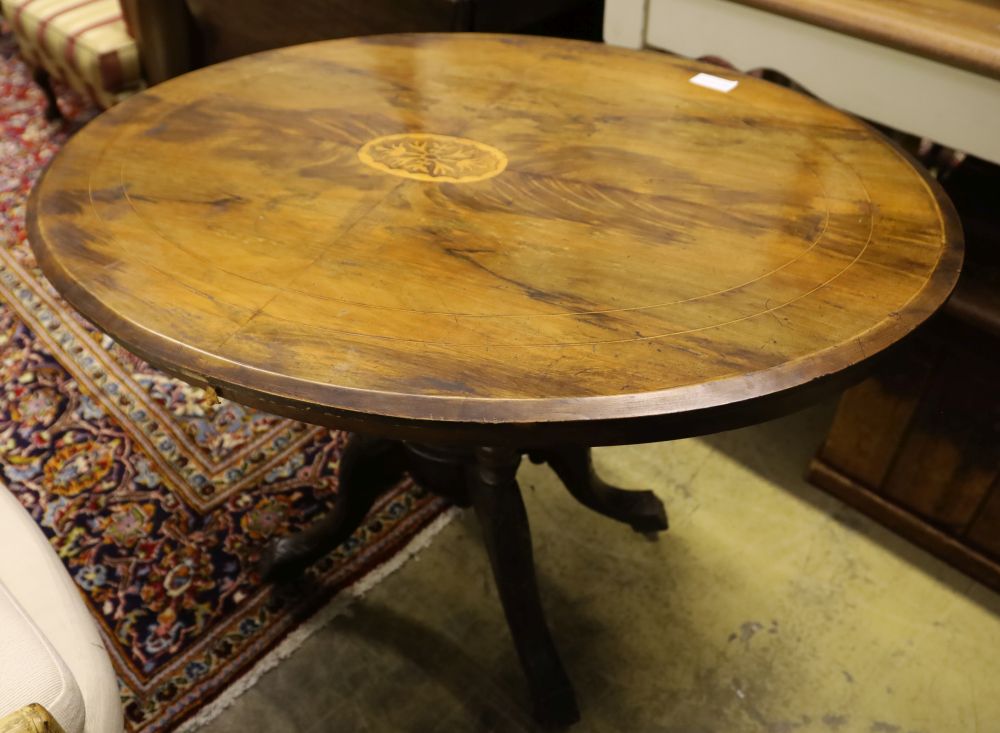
{"points": [[713, 82]]}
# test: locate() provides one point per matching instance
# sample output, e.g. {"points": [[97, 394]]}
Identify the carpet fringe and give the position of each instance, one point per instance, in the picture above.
{"points": [[317, 621]]}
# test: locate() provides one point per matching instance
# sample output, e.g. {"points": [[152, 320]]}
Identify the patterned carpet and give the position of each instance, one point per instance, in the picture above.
{"points": [[157, 500]]}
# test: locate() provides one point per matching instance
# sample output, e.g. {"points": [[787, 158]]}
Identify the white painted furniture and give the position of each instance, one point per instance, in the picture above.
{"points": [[50, 649], [946, 92]]}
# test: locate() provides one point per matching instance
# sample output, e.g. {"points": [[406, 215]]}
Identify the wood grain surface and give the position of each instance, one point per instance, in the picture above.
{"points": [[494, 239], [963, 33]]}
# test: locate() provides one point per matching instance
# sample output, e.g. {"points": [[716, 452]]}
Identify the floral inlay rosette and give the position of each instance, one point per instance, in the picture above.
{"points": [[429, 157]]}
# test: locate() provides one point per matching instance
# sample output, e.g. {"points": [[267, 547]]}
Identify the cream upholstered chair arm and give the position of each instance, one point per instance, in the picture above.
{"points": [[55, 654]]}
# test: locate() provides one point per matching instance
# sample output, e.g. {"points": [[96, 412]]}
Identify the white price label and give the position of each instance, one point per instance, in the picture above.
{"points": [[714, 82]]}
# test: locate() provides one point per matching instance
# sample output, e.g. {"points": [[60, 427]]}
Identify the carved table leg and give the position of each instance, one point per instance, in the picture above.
{"points": [[486, 478], [368, 467], [495, 495], [575, 469]]}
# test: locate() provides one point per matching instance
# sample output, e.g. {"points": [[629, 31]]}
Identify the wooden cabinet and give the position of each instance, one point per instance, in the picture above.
{"points": [[917, 446]]}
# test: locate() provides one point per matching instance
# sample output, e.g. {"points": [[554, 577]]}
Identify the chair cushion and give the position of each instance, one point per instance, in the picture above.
{"points": [[31, 670], [83, 42], [32, 573]]}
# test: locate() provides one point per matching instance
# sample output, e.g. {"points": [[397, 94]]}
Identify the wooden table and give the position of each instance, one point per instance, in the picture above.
{"points": [[471, 248]]}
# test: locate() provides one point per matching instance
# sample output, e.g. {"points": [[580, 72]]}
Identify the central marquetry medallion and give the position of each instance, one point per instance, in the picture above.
{"points": [[424, 156]]}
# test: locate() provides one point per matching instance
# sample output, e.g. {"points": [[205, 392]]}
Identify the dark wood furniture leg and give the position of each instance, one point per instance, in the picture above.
{"points": [[368, 467], [575, 468], [485, 478], [44, 82], [495, 495]]}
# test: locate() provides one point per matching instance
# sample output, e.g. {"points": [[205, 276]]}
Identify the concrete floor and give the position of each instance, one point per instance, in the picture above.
{"points": [[768, 606]]}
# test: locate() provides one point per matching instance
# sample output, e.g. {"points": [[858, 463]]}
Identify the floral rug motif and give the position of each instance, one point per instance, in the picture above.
{"points": [[157, 500]]}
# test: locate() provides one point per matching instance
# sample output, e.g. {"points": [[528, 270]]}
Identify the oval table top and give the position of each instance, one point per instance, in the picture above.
{"points": [[492, 238]]}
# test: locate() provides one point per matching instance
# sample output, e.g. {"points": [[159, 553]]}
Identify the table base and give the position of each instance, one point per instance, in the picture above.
{"points": [[486, 479]]}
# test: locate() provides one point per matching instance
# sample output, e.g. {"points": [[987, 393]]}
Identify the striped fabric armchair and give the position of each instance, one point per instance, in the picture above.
{"points": [[84, 43], [108, 49]]}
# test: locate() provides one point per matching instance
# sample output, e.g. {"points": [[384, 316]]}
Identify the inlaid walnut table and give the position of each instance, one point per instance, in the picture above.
{"points": [[472, 248]]}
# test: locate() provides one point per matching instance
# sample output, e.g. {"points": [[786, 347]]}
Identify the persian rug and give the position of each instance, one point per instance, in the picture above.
{"points": [[157, 499]]}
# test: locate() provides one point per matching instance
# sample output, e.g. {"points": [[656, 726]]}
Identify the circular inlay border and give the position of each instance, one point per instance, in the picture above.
{"points": [[425, 156]]}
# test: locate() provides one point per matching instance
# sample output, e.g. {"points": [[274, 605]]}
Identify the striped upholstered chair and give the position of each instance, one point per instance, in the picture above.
{"points": [[108, 49], [84, 43]]}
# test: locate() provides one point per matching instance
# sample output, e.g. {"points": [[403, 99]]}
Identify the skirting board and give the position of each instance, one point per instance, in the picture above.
{"points": [[905, 524]]}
